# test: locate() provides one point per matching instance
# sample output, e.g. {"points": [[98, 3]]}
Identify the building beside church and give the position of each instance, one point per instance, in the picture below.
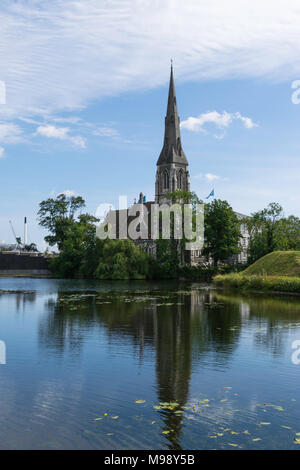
{"points": [[172, 174]]}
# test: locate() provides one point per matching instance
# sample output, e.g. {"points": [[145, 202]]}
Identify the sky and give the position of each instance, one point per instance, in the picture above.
{"points": [[83, 96]]}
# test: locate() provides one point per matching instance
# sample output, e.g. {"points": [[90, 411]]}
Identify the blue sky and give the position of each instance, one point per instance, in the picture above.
{"points": [[86, 95]]}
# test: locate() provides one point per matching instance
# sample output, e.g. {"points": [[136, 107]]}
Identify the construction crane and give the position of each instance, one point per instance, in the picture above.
{"points": [[18, 239]]}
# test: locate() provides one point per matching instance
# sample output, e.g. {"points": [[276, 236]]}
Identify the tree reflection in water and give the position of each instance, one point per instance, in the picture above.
{"points": [[182, 328]]}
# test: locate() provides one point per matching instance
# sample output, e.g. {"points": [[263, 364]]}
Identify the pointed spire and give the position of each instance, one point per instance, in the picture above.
{"points": [[172, 150], [172, 105]]}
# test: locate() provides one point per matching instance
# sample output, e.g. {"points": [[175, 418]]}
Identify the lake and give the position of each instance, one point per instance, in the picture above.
{"points": [[146, 365]]}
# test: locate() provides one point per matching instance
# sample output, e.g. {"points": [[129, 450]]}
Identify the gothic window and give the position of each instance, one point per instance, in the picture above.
{"points": [[166, 179], [180, 179]]}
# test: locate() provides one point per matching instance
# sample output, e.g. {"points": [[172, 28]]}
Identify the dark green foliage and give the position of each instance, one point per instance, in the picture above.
{"points": [[31, 247], [270, 231], [121, 259], [206, 273], [82, 254], [77, 256], [58, 216], [168, 255], [222, 231]]}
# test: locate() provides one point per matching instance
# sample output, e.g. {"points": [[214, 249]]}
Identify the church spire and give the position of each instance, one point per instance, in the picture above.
{"points": [[172, 150], [172, 106], [172, 165]]}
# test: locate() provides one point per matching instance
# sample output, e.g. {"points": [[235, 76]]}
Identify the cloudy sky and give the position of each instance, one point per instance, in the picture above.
{"points": [[83, 92]]}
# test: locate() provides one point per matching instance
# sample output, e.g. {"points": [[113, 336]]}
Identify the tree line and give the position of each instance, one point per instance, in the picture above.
{"points": [[82, 254]]}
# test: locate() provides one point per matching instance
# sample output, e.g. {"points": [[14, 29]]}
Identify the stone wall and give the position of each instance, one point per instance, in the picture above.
{"points": [[19, 263]]}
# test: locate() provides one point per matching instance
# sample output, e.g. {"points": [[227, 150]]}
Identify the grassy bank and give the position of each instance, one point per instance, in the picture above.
{"points": [[262, 283], [278, 271], [278, 263]]}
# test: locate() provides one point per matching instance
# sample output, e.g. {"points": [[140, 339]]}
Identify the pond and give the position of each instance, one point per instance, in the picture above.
{"points": [[147, 365]]}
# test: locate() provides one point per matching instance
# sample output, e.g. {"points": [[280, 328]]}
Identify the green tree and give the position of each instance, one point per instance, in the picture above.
{"points": [[171, 254], [288, 234], [263, 227], [74, 234], [270, 231], [184, 197], [77, 255], [58, 216], [121, 259], [222, 231]]}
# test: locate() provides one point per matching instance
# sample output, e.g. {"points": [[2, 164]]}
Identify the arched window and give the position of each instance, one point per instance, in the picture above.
{"points": [[166, 179], [180, 179]]}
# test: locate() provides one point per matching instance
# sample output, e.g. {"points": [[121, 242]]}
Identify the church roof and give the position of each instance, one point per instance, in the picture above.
{"points": [[172, 151]]}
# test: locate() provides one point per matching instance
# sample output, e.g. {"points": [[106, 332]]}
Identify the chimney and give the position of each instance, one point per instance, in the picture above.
{"points": [[25, 230]]}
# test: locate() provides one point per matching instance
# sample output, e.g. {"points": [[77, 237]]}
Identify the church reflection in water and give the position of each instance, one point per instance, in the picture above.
{"points": [[180, 333], [182, 330], [101, 348]]}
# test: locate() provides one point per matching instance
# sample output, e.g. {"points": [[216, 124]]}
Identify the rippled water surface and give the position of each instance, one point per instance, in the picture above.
{"points": [[156, 365]]}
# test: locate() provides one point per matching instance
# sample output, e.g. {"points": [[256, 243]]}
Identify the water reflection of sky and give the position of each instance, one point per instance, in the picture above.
{"points": [[77, 350]]}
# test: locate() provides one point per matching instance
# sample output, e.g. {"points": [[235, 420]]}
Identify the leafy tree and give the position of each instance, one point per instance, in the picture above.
{"points": [[270, 231], [263, 230], [222, 231], [184, 197], [121, 259], [75, 235], [168, 258], [77, 256], [171, 254], [31, 247], [58, 216], [288, 234]]}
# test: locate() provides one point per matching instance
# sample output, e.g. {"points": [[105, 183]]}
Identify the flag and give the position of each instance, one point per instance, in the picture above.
{"points": [[211, 194]]}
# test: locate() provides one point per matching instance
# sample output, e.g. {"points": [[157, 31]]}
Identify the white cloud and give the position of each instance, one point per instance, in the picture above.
{"points": [[106, 132], [52, 131], [2, 152], [61, 133], [220, 120], [10, 133], [68, 193], [70, 120], [78, 141], [246, 121], [210, 177], [196, 124], [76, 51]]}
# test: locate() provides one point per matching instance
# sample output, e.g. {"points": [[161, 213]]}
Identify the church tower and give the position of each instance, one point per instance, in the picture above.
{"points": [[172, 166]]}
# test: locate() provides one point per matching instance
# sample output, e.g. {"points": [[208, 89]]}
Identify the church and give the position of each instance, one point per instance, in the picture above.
{"points": [[172, 174]]}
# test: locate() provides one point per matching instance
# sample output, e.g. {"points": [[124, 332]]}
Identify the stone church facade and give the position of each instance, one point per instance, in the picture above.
{"points": [[172, 174]]}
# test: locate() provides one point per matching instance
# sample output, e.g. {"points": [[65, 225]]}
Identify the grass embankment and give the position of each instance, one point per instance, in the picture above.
{"points": [[278, 271]]}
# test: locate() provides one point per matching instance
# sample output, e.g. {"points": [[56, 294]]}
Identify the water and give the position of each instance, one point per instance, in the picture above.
{"points": [[217, 366]]}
